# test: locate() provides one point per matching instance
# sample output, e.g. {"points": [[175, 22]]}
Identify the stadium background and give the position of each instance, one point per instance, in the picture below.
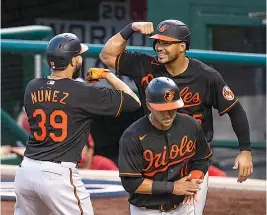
{"points": [[234, 26]]}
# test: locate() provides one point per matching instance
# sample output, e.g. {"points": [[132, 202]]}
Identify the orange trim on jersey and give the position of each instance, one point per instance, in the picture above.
{"points": [[167, 166], [228, 107], [75, 192], [196, 174], [209, 155], [119, 110], [118, 63], [130, 174]]}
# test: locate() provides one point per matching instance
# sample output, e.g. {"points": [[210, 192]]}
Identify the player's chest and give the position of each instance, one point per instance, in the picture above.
{"points": [[167, 148]]}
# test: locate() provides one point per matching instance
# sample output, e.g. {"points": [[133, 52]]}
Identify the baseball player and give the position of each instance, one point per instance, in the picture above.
{"points": [[60, 112], [163, 155], [202, 87]]}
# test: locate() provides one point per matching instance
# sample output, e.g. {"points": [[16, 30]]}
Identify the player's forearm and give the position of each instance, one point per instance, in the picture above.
{"points": [[240, 126], [118, 84], [115, 46], [146, 186]]}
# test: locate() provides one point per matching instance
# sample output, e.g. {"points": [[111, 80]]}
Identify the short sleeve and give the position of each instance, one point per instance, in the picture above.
{"points": [[131, 64], [101, 100], [130, 156], [223, 98]]}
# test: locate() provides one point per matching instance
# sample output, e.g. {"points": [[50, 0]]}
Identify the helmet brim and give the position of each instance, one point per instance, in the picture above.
{"points": [[163, 37], [83, 49], [167, 106]]}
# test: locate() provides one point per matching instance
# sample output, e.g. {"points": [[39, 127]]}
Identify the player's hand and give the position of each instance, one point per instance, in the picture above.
{"points": [[243, 162], [143, 27], [94, 74], [189, 200], [185, 187]]}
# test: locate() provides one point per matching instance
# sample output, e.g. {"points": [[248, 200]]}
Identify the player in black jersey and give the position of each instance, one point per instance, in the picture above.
{"points": [[60, 112], [163, 154], [202, 87]]}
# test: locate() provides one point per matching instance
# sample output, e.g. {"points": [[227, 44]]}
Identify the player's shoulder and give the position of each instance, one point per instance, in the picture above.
{"points": [[203, 68], [34, 83], [188, 121], [137, 128]]}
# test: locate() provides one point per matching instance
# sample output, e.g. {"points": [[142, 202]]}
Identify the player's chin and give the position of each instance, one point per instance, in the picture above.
{"points": [[163, 60], [167, 123]]}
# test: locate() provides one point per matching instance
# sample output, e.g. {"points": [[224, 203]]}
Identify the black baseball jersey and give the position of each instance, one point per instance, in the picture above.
{"points": [[159, 155], [201, 86], [60, 114]]}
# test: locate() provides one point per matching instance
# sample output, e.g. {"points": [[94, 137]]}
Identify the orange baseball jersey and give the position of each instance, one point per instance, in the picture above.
{"points": [[201, 87]]}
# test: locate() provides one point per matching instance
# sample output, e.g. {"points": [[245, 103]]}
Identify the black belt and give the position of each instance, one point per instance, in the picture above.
{"points": [[55, 161], [59, 162], [163, 207]]}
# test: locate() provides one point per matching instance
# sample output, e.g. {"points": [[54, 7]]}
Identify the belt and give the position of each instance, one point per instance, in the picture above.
{"points": [[63, 163], [55, 161], [59, 162], [163, 207]]}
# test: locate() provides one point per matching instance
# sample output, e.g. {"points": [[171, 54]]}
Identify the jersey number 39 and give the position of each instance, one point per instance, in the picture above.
{"points": [[57, 125]]}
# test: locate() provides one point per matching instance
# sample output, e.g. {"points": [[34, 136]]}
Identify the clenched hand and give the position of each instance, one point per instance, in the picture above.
{"points": [[143, 27]]}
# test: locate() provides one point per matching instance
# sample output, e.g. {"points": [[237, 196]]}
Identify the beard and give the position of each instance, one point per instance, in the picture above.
{"points": [[77, 71], [171, 59]]}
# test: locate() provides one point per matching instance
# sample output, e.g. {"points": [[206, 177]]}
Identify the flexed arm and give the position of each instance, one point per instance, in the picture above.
{"points": [[116, 44]]}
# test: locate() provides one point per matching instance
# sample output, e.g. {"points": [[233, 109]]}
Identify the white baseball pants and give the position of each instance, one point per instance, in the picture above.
{"points": [[42, 187]]}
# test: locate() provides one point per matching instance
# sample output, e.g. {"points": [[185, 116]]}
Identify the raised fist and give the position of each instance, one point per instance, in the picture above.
{"points": [[143, 27], [95, 74]]}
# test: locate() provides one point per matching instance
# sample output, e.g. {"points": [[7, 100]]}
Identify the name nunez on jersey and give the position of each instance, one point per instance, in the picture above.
{"points": [[48, 95], [160, 162]]}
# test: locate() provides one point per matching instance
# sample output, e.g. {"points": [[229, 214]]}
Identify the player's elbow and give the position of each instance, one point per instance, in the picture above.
{"points": [[107, 59], [103, 57], [130, 104], [131, 184]]}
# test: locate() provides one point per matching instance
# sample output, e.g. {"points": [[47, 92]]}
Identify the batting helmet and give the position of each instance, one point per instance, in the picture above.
{"points": [[61, 49], [172, 30], [163, 94]]}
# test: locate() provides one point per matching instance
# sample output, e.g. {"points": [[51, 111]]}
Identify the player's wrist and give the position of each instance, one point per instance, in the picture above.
{"points": [[162, 187], [196, 174], [127, 32], [109, 75], [245, 151], [245, 147]]}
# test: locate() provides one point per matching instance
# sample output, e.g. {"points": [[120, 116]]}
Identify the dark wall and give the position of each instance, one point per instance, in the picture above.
{"points": [[17, 13]]}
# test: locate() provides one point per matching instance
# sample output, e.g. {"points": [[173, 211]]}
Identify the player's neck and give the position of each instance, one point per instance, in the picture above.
{"points": [[60, 74], [178, 66]]}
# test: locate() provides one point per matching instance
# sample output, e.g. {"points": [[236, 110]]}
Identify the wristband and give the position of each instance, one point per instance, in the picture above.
{"points": [[127, 32], [162, 187]]}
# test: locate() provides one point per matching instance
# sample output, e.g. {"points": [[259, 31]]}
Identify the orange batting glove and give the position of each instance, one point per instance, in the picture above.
{"points": [[95, 74]]}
